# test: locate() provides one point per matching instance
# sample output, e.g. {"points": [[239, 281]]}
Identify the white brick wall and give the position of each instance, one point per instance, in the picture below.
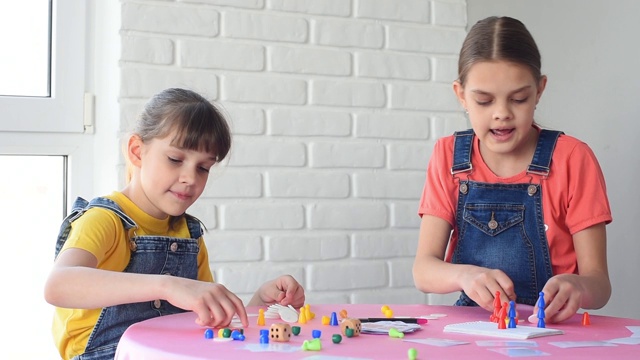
{"points": [[334, 105]]}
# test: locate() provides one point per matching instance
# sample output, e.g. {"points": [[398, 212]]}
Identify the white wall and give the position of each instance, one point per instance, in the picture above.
{"points": [[590, 53], [334, 108]]}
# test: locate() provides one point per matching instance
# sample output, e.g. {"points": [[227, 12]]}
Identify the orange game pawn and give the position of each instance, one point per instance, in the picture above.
{"points": [[585, 319]]}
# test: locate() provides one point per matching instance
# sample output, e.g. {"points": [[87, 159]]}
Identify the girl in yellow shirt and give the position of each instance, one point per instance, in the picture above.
{"points": [[136, 254]]}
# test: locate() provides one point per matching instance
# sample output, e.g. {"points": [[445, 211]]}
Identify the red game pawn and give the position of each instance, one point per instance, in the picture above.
{"points": [[496, 308], [585, 319], [502, 316]]}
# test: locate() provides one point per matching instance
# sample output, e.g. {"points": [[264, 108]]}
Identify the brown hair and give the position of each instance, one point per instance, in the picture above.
{"points": [[499, 38], [198, 124]]}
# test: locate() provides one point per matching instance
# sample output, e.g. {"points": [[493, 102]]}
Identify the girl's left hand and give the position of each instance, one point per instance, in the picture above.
{"points": [[284, 290], [562, 295]]}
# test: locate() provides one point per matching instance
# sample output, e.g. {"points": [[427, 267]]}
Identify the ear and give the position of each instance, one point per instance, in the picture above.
{"points": [[458, 89], [541, 86], [134, 150]]}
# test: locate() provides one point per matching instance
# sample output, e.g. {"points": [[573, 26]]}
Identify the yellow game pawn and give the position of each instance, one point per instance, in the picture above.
{"points": [[303, 317], [261, 321]]}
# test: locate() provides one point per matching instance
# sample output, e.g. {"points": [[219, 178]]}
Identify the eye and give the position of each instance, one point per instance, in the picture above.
{"points": [[173, 160], [203, 169], [520, 101], [483, 103]]}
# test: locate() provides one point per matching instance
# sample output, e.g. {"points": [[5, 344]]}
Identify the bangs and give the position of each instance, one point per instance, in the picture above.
{"points": [[199, 127]]}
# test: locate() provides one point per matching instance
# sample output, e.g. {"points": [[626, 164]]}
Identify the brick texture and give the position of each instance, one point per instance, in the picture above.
{"points": [[335, 106]]}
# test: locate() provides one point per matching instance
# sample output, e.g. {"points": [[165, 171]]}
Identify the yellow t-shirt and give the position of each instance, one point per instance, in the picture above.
{"points": [[100, 231]]}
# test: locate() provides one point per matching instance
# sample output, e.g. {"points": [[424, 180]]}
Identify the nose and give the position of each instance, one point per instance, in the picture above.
{"points": [[502, 111], [187, 176]]}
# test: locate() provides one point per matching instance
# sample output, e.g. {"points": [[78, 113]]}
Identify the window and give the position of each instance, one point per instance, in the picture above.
{"points": [[48, 38], [32, 211], [45, 157]]}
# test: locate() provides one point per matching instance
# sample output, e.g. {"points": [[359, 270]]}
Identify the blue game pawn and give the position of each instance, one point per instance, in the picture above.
{"points": [[334, 319], [540, 303], [208, 334], [512, 314], [541, 316]]}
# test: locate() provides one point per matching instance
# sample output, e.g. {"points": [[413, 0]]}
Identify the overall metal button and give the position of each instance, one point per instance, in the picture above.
{"points": [[532, 190], [157, 304], [464, 188], [174, 247]]}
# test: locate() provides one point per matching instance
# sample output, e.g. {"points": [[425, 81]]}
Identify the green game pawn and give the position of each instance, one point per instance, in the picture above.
{"points": [[413, 354], [349, 332], [394, 333], [226, 333], [295, 330], [312, 345], [336, 338]]}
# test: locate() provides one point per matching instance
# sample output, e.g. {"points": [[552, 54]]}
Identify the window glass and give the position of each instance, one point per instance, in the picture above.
{"points": [[24, 35], [42, 67], [32, 196]]}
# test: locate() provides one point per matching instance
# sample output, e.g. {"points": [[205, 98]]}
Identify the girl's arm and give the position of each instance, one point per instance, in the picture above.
{"points": [[589, 289], [75, 282], [432, 274]]}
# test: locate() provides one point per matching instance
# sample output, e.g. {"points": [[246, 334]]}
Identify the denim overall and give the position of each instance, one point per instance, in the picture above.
{"points": [[149, 255], [501, 226]]}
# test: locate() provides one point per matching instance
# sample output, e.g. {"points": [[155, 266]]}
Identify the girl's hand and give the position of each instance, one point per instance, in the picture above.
{"points": [[481, 284], [284, 290], [562, 295], [214, 304]]}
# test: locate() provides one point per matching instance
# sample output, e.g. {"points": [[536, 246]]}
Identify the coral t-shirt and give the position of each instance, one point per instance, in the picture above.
{"points": [[574, 195]]}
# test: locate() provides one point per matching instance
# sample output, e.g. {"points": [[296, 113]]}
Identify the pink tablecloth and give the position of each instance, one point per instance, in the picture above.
{"points": [[178, 337]]}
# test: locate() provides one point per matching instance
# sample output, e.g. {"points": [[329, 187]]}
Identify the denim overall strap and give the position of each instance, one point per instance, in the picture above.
{"points": [[79, 207], [541, 162], [150, 254], [462, 151], [500, 226]]}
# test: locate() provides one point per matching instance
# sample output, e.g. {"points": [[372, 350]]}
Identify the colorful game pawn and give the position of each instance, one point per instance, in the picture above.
{"points": [[512, 314], [334, 319], [496, 308], [541, 317], [308, 313], [326, 320], [303, 317], [343, 314], [541, 305], [585, 319], [502, 316], [261, 317], [395, 333], [312, 345]]}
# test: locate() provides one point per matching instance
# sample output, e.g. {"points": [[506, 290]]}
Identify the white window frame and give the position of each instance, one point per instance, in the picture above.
{"points": [[63, 110], [55, 125]]}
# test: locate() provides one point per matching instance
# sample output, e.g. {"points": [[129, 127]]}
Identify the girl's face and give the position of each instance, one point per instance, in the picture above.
{"points": [[167, 179], [500, 98]]}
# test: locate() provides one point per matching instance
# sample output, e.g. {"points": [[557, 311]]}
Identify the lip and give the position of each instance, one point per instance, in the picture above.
{"points": [[501, 134], [181, 195]]}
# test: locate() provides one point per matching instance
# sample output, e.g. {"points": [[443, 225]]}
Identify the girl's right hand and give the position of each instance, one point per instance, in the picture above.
{"points": [[481, 284], [214, 304]]}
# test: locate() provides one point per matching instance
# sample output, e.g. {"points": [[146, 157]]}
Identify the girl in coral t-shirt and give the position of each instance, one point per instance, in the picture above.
{"points": [[508, 207]]}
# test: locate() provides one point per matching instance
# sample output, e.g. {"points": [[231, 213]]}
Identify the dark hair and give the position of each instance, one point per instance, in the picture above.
{"points": [[499, 38], [197, 123]]}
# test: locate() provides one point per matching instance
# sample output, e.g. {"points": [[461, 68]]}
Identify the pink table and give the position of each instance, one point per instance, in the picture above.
{"points": [[178, 337]]}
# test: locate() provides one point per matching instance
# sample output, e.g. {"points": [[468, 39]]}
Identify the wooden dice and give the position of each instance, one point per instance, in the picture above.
{"points": [[280, 332]]}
